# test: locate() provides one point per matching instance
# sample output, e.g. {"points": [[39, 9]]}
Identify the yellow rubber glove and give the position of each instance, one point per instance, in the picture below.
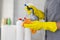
{"points": [[36, 25], [37, 12], [28, 21]]}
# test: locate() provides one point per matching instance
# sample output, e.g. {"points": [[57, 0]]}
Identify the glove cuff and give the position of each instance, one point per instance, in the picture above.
{"points": [[51, 26]]}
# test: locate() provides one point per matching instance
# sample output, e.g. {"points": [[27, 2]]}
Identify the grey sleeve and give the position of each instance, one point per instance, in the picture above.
{"points": [[57, 15], [53, 13]]}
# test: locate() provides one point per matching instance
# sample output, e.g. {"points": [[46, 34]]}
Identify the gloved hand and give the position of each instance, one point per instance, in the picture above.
{"points": [[36, 25], [28, 21], [36, 11]]}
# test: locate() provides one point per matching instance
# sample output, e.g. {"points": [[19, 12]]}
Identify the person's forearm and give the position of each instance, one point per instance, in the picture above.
{"points": [[58, 25]]}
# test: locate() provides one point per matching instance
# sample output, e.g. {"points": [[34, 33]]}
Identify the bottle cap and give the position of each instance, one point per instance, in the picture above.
{"points": [[25, 18], [19, 18]]}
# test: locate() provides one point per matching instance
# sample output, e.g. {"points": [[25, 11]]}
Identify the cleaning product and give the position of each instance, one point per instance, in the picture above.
{"points": [[28, 34], [8, 21], [38, 13], [3, 21], [27, 31], [31, 16], [19, 30]]}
